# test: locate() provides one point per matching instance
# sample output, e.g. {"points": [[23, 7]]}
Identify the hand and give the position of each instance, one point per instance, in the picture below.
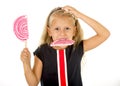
{"points": [[71, 10], [25, 56]]}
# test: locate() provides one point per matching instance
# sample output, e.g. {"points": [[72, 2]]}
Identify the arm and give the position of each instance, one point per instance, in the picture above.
{"points": [[32, 75], [101, 32]]}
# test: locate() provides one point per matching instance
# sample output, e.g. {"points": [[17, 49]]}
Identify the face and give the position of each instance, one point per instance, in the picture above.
{"points": [[62, 27]]}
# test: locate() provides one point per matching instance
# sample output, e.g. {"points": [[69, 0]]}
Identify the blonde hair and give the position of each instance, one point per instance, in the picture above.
{"points": [[45, 38]]}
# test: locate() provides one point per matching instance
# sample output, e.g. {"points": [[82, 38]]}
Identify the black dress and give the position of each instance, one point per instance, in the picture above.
{"points": [[48, 56]]}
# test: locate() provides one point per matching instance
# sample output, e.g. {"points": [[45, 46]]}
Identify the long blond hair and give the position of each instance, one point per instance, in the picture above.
{"points": [[45, 38]]}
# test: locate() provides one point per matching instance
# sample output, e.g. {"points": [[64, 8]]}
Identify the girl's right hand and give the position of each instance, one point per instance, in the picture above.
{"points": [[25, 56]]}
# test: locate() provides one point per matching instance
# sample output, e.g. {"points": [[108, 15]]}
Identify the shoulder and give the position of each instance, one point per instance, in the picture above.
{"points": [[80, 47], [40, 49], [43, 46], [80, 44]]}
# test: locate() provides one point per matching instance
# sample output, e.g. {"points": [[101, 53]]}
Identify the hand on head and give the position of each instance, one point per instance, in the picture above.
{"points": [[71, 10]]}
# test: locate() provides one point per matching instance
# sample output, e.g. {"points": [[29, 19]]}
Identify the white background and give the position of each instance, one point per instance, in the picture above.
{"points": [[101, 66]]}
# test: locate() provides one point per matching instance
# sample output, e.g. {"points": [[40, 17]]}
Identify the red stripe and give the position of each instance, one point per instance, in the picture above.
{"points": [[62, 68]]}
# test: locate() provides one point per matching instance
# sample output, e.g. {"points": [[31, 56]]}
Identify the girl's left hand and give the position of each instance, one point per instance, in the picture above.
{"points": [[71, 10]]}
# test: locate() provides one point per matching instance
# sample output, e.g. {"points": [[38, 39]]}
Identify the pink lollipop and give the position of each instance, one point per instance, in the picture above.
{"points": [[21, 28], [62, 42]]}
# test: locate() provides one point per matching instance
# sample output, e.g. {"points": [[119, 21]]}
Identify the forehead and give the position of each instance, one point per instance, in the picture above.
{"points": [[61, 18]]}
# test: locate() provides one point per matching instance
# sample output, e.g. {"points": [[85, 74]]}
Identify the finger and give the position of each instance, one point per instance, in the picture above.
{"points": [[25, 53], [25, 50], [66, 9]]}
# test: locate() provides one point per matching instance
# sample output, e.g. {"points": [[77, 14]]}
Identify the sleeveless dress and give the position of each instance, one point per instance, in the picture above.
{"points": [[48, 56]]}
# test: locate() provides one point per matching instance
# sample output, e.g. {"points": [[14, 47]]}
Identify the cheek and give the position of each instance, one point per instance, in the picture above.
{"points": [[54, 36], [49, 32], [72, 33]]}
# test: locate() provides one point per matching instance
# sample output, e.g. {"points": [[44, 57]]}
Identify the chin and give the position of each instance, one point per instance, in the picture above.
{"points": [[60, 47]]}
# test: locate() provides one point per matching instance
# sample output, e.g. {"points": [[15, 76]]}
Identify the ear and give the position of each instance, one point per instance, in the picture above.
{"points": [[49, 32]]}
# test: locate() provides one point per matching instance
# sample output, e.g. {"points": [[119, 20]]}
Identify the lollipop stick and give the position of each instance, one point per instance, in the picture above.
{"points": [[25, 43]]}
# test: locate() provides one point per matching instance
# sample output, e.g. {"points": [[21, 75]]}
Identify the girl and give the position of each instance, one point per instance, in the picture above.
{"points": [[62, 23]]}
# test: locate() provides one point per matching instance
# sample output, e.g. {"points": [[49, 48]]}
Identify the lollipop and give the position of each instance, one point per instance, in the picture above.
{"points": [[62, 42], [21, 28]]}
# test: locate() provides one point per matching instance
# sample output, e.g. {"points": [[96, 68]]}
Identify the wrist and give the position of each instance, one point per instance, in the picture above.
{"points": [[27, 66]]}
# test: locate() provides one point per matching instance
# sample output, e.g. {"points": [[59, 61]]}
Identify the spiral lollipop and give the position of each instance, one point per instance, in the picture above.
{"points": [[21, 29]]}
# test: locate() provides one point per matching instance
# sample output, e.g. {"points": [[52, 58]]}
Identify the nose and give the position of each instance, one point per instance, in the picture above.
{"points": [[62, 32]]}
